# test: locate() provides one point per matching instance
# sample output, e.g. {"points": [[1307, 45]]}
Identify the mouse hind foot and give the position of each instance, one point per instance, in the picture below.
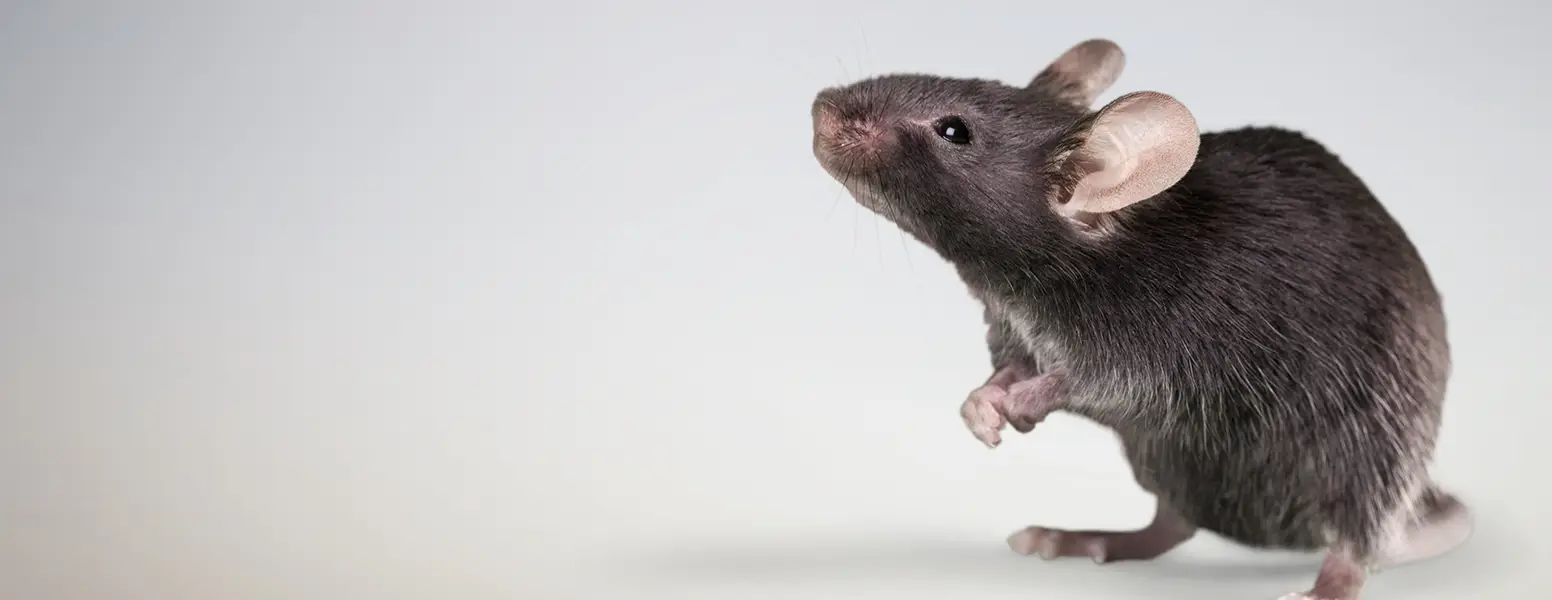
{"points": [[1167, 531], [1441, 523]]}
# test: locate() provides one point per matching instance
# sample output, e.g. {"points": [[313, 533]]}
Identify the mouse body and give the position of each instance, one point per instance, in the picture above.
{"points": [[1237, 306]]}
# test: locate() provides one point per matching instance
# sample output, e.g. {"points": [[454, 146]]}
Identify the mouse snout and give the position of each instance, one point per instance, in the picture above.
{"points": [[843, 138], [827, 119]]}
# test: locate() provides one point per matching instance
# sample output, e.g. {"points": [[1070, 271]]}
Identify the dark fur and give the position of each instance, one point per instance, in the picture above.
{"points": [[1262, 336]]}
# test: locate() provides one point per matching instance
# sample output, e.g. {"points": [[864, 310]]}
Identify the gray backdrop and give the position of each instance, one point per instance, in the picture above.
{"points": [[456, 301]]}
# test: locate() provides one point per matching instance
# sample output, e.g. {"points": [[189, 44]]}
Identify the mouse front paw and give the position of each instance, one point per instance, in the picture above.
{"points": [[982, 414], [1022, 405]]}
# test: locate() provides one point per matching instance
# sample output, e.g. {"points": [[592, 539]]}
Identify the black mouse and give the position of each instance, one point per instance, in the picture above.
{"points": [[1237, 306]]}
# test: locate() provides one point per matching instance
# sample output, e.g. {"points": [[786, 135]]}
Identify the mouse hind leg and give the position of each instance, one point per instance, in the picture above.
{"points": [[1342, 574], [1436, 522], [1167, 530], [1358, 530]]}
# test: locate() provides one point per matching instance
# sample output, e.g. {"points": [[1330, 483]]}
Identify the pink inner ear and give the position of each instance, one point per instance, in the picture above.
{"points": [[1141, 144], [1086, 165]]}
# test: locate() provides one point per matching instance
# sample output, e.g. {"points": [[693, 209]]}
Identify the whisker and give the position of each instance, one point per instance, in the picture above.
{"points": [[878, 241], [855, 239], [866, 49]]}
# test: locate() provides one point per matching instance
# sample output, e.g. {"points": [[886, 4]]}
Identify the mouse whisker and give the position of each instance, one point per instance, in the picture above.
{"points": [[834, 202], [878, 241], [867, 50], [855, 217]]}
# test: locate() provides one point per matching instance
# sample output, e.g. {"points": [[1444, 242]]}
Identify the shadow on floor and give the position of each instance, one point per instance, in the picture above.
{"points": [[1185, 573]]}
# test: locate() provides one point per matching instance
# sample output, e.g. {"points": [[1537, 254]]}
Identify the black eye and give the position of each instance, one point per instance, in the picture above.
{"points": [[953, 129]]}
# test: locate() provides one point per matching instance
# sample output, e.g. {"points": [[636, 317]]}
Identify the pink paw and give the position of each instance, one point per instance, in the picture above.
{"points": [[1022, 405], [982, 413], [1055, 543]]}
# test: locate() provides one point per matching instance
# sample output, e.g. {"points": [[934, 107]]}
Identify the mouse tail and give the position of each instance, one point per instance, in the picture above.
{"points": [[1440, 523]]}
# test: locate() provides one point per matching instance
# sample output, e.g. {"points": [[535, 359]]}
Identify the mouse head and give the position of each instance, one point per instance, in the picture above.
{"points": [[971, 165]]}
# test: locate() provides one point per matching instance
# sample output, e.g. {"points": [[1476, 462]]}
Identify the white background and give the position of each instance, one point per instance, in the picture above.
{"points": [[442, 301]]}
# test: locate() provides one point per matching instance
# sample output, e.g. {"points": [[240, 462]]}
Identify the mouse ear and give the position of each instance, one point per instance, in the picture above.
{"points": [[1132, 149], [1081, 73]]}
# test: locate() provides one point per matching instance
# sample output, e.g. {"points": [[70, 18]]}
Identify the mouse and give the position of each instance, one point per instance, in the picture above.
{"points": [[1237, 306]]}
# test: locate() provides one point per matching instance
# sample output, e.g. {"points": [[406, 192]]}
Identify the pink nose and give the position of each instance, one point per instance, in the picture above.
{"points": [[844, 136], [827, 120]]}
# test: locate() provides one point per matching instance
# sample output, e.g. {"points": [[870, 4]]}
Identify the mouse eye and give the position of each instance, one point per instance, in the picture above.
{"points": [[953, 129]]}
